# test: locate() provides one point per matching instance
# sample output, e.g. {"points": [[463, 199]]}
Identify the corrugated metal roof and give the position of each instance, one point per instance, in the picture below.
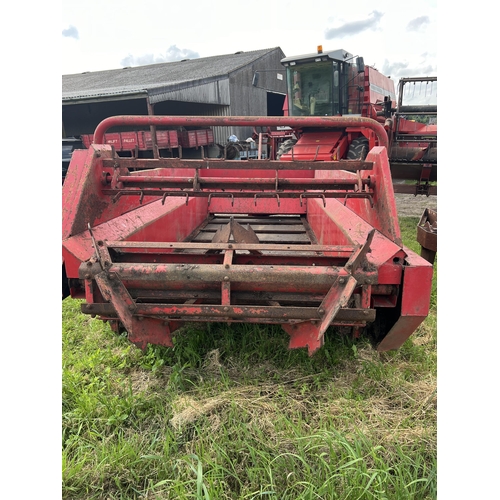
{"points": [[214, 92], [155, 78]]}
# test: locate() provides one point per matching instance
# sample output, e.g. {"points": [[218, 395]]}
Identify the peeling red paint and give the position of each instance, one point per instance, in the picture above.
{"points": [[306, 247]]}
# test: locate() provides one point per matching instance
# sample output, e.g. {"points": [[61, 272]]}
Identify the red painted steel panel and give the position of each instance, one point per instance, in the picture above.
{"points": [[417, 284], [314, 145], [165, 139], [153, 222], [383, 215], [195, 138], [263, 205]]}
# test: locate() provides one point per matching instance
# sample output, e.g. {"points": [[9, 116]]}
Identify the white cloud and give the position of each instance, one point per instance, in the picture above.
{"points": [[70, 32], [418, 23], [372, 22], [173, 53]]}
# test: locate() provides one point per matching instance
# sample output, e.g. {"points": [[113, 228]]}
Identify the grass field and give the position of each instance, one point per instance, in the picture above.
{"points": [[231, 413]]}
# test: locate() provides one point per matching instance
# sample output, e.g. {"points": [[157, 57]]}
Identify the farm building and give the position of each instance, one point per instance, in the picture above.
{"points": [[243, 83]]}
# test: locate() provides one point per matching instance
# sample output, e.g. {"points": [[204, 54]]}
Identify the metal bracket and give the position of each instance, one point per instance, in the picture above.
{"points": [[313, 195], [311, 334], [101, 252], [266, 195], [422, 187], [196, 180], [174, 194], [359, 195], [223, 195], [240, 235], [359, 255]]}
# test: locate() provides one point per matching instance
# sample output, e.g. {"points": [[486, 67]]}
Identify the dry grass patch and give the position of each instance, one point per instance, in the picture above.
{"points": [[142, 381], [187, 409]]}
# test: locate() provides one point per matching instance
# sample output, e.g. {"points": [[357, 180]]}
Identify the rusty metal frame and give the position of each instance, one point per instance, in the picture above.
{"points": [[148, 322]]}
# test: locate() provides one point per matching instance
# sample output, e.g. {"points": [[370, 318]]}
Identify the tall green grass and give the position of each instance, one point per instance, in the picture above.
{"points": [[231, 413]]}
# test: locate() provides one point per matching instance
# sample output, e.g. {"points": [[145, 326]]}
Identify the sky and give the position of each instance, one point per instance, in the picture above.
{"points": [[396, 37]]}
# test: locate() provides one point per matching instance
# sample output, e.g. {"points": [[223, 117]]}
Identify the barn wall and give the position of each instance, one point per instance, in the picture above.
{"points": [[250, 100], [196, 109], [213, 92]]}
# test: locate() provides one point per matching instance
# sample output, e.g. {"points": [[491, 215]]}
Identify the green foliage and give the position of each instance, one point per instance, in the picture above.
{"points": [[425, 119]]}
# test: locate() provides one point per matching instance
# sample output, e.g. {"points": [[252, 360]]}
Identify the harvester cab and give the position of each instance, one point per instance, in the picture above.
{"points": [[333, 84]]}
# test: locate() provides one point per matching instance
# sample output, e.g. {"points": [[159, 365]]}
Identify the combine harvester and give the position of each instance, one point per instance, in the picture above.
{"points": [[336, 83]]}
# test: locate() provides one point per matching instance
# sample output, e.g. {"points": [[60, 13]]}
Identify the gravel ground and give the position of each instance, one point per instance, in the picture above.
{"points": [[409, 205]]}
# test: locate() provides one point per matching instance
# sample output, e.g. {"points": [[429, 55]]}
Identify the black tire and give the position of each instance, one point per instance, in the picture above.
{"points": [[285, 146], [232, 152], [358, 149], [229, 152], [65, 284]]}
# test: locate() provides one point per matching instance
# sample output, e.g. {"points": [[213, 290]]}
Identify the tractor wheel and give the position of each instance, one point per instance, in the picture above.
{"points": [[232, 152], [285, 146], [65, 284], [358, 149]]}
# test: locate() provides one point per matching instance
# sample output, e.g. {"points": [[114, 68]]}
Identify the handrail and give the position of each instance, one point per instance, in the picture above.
{"points": [[242, 121]]}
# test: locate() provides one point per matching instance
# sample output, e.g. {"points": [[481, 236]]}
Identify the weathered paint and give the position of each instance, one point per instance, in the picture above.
{"points": [[140, 238]]}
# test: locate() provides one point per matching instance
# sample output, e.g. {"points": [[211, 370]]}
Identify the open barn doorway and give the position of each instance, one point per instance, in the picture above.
{"points": [[275, 104]]}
